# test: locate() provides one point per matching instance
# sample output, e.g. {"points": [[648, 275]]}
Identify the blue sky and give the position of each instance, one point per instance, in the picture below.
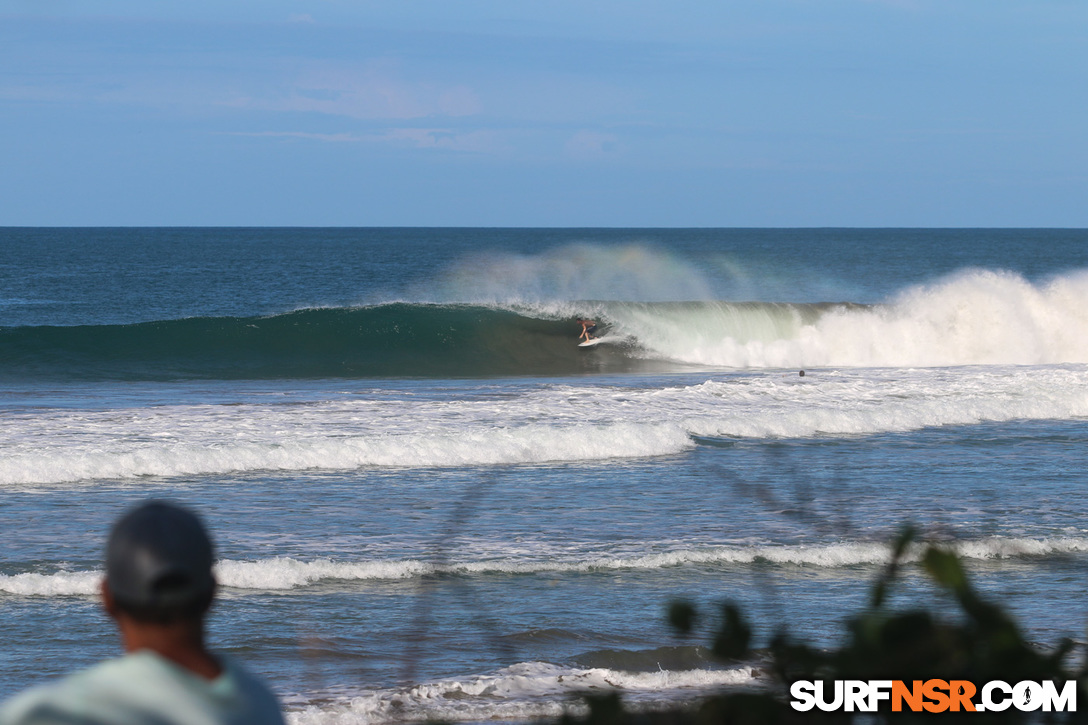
{"points": [[560, 113]]}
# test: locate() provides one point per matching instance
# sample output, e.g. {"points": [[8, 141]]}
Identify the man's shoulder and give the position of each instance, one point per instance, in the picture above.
{"points": [[53, 702], [250, 689], [145, 689]]}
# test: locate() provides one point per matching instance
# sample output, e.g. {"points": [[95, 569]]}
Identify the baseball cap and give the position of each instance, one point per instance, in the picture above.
{"points": [[159, 556]]}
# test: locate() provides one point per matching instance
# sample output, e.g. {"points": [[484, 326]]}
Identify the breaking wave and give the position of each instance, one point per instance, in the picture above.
{"points": [[974, 318], [286, 573], [526, 691]]}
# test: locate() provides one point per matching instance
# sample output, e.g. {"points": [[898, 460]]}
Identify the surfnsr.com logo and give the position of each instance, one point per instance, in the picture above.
{"points": [[933, 696]]}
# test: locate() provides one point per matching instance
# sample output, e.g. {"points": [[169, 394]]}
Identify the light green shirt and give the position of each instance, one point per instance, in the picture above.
{"points": [[144, 688]]}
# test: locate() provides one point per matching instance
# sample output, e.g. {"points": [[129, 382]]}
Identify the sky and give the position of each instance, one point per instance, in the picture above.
{"points": [[557, 113]]}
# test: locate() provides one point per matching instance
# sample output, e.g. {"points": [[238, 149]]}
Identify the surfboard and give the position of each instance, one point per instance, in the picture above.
{"points": [[598, 340]]}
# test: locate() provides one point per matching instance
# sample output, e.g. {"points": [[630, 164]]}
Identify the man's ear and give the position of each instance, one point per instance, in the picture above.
{"points": [[107, 600]]}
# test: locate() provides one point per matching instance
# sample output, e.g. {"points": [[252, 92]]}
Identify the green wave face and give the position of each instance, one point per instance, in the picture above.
{"points": [[393, 340]]}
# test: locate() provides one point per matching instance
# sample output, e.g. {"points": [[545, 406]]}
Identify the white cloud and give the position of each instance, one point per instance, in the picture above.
{"points": [[481, 142], [475, 141], [326, 137], [590, 144], [459, 101], [370, 91]]}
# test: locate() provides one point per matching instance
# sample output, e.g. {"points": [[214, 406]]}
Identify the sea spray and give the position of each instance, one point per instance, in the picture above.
{"points": [[626, 272]]}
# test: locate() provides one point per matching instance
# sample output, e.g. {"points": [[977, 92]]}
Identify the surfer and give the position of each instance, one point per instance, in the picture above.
{"points": [[588, 328]]}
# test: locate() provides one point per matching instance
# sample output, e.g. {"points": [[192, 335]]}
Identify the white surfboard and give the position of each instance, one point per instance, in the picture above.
{"points": [[596, 341]]}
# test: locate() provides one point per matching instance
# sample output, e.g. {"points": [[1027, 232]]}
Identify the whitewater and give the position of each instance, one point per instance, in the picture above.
{"points": [[429, 503], [973, 318], [285, 573], [485, 424]]}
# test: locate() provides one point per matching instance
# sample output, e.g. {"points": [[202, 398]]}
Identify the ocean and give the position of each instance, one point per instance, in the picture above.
{"points": [[430, 503]]}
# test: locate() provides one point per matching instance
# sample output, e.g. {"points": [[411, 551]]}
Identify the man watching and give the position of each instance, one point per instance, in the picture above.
{"points": [[158, 589]]}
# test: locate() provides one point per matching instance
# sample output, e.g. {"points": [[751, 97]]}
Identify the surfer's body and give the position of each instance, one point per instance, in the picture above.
{"points": [[588, 328]]}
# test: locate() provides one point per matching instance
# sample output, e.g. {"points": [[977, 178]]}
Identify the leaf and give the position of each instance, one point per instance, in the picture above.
{"points": [[682, 617], [945, 569], [735, 636]]}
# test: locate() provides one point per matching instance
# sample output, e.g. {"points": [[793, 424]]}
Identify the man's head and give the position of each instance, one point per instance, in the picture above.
{"points": [[159, 564]]}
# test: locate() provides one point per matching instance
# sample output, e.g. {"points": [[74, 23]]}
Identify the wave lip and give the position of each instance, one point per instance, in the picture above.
{"points": [[287, 573]]}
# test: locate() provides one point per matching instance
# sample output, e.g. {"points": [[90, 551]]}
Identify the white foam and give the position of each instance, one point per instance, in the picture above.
{"points": [[188, 454], [60, 584], [897, 402], [973, 318], [525, 691], [286, 573], [511, 424]]}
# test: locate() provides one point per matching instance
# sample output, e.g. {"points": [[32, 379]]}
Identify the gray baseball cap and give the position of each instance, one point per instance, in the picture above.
{"points": [[159, 556]]}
